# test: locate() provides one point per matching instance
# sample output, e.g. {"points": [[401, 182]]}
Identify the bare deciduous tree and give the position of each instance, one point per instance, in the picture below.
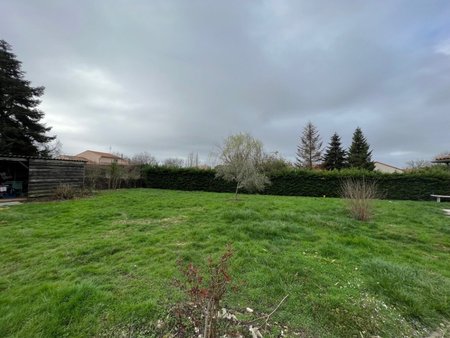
{"points": [[114, 174], [94, 174], [53, 149], [418, 164], [241, 157], [143, 158], [192, 160], [173, 162]]}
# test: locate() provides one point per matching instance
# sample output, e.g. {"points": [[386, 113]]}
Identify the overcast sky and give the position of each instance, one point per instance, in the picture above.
{"points": [[173, 77]]}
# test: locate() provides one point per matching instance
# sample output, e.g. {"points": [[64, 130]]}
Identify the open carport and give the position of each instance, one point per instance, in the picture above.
{"points": [[28, 176]]}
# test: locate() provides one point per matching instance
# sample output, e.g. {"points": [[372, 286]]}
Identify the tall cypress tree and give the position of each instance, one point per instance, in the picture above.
{"points": [[335, 156], [359, 155], [309, 150], [21, 131]]}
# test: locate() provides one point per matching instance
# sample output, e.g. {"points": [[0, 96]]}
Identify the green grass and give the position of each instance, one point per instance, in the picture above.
{"points": [[85, 267]]}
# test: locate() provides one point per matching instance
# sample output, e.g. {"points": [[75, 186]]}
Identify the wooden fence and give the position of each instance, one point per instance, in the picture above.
{"points": [[45, 175]]}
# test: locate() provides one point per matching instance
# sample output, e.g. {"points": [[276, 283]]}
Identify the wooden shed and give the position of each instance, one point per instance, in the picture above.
{"points": [[28, 176]]}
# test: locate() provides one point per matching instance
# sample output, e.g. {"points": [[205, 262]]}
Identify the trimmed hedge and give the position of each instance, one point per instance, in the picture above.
{"points": [[407, 186], [185, 179]]}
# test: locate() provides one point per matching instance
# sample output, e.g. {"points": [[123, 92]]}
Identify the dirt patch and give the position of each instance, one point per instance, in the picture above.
{"points": [[172, 220], [140, 221], [443, 331], [114, 233]]}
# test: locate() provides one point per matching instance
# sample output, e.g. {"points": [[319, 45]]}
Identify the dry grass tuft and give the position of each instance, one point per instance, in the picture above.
{"points": [[148, 221], [359, 195]]}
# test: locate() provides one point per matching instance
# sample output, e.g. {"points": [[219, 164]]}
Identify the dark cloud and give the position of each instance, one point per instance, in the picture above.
{"points": [[172, 77]]}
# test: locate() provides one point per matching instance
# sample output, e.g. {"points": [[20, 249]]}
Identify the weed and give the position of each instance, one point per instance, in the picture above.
{"points": [[359, 195], [69, 192], [204, 293], [64, 192]]}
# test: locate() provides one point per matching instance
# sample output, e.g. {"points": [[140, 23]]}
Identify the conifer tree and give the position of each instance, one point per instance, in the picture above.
{"points": [[309, 150], [359, 155], [21, 131], [335, 156]]}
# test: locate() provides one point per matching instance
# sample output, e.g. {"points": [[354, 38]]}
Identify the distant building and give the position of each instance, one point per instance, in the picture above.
{"points": [[96, 157], [387, 168], [442, 159]]}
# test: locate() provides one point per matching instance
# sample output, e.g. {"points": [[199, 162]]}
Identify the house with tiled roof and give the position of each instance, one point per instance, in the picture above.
{"points": [[387, 168], [97, 157], [442, 159]]}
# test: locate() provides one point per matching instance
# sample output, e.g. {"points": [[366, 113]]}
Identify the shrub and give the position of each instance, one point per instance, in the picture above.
{"points": [[112, 176], [359, 195], [65, 192], [435, 169], [93, 176], [204, 292], [201, 312], [68, 192]]}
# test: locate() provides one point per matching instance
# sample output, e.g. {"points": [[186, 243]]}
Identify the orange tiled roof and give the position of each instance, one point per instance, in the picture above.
{"points": [[443, 157], [106, 154]]}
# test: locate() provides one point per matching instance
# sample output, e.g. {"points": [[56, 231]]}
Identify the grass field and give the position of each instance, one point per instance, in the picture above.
{"points": [[95, 266]]}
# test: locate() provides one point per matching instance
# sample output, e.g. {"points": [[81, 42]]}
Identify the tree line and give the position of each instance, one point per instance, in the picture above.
{"points": [[311, 155]]}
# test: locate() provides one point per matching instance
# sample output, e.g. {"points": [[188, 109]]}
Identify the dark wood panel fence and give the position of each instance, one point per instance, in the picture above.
{"points": [[46, 175]]}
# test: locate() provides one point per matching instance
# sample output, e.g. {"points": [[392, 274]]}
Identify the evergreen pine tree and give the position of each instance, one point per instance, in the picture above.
{"points": [[335, 156], [21, 131], [359, 155], [309, 150]]}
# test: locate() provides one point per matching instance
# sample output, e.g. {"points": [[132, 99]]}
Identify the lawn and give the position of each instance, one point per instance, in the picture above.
{"points": [[103, 265]]}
